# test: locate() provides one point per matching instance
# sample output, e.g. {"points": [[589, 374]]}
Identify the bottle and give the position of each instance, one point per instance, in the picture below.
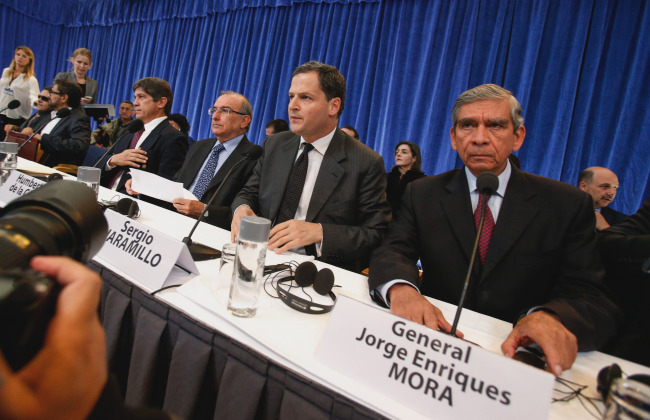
{"points": [[248, 272]]}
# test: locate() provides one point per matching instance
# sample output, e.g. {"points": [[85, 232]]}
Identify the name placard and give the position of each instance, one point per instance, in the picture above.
{"points": [[147, 255], [435, 374], [16, 185]]}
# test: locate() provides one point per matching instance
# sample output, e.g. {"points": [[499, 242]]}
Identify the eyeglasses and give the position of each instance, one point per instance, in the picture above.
{"points": [[223, 110], [56, 93], [44, 98]]}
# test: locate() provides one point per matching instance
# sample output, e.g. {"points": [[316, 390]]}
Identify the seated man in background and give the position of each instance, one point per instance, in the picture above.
{"points": [[40, 117], [65, 138], [625, 251], [602, 184], [208, 161], [158, 148], [351, 131], [323, 191], [540, 267], [276, 126], [105, 135]]}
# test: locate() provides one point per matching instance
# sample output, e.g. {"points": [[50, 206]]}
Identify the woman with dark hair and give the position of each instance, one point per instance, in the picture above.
{"points": [[408, 167], [19, 83], [82, 61]]}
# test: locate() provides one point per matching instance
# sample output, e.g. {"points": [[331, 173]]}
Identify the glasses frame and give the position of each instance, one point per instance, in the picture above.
{"points": [[224, 110], [44, 98]]}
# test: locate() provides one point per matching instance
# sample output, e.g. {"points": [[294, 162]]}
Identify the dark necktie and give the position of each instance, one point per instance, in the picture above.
{"points": [[488, 227], [208, 172], [134, 141], [294, 187]]}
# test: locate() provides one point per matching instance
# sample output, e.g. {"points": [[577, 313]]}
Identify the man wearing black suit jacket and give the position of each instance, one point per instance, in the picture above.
{"points": [[158, 148], [64, 140], [341, 212], [624, 249], [231, 118], [602, 184], [541, 269]]}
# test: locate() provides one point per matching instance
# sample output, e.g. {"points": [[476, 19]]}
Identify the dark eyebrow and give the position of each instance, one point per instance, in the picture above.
{"points": [[499, 121], [465, 121]]}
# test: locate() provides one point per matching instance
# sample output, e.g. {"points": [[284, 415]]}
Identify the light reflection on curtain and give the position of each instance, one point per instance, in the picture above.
{"points": [[580, 69]]}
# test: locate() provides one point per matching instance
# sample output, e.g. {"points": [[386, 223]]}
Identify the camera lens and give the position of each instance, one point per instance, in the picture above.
{"points": [[59, 218]]}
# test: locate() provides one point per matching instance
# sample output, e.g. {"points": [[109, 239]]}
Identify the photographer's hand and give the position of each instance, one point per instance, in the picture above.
{"points": [[65, 379]]}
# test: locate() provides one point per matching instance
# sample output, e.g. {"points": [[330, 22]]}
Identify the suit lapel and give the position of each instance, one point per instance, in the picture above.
{"points": [[457, 207], [517, 212], [281, 170], [153, 137], [235, 156], [329, 175], [201, 156]]}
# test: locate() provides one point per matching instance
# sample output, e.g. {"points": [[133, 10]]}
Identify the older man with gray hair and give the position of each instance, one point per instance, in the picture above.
{"points": [[539, 268]]}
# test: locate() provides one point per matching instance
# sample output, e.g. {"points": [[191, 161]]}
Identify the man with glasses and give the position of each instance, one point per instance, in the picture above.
{"points": [[209, 160], [38, 118], [107, 134], [323, 190], [65, 138], [158, 148]]}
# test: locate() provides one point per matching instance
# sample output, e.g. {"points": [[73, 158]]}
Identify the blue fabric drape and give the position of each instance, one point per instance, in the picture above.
{"points": [[580, 68]]}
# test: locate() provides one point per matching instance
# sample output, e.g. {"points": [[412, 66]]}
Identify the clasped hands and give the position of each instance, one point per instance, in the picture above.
{"points": [[284, 236], [560, 346]]}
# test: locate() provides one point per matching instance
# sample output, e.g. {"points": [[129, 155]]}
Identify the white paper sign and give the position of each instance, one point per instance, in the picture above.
{"points": [[437, 375], [16, 185], [147, 255], [158, 187]]}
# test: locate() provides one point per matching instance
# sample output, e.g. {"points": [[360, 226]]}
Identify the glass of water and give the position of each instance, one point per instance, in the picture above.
{"points": [[8, 161], [90, 176]]}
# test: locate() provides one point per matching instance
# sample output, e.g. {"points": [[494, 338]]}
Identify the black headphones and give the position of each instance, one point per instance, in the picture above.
{"points": [[305, 275], [608, 374]]}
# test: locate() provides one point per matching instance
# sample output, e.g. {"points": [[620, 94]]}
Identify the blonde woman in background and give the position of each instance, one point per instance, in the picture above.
{"points": [[82, 61], [18, 82]]}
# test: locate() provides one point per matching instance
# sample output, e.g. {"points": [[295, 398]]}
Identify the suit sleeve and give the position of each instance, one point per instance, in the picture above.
{"points": [[249, 194], [629, 241], [172, 156], [74, 141], [343, 243], [579, 296], [397, 256]]}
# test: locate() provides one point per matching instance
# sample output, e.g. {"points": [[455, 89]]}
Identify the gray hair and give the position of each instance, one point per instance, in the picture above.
{"points": [[485, 92], [246, 106]]}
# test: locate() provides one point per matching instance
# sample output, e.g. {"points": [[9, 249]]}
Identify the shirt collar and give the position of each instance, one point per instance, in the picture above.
{"points": [[154, 123], [504, 177], [53, 113], [322, 143], [231, 144]]}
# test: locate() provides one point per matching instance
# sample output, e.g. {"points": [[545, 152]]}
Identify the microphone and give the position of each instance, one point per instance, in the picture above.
{"points": [[125, 206], [11, 105], [202, 252], [61, 113], [486, 183], [132, 127]]}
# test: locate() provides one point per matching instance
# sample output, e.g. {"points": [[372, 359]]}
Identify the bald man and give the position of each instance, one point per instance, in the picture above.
{"points": [[602, 184]]}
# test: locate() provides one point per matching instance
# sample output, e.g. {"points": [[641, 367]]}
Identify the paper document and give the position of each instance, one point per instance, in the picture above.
{"points": [[158, 187]]}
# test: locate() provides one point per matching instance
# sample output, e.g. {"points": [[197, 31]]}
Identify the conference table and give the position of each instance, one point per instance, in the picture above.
{"points": [[180, 349]]}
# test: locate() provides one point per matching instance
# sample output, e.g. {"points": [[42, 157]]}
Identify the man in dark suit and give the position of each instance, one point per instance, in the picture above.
{"points": [[39, 118], [231, 119], [625, 250], [540, 269], [339, 210], [602, 185], [64, 140], [158, 148]]}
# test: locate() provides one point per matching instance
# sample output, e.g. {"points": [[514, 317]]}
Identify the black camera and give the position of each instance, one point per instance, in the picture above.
{"points": [[59, 218]]}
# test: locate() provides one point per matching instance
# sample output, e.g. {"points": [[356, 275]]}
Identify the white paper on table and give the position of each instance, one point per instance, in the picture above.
{"points": [[158, 187]]}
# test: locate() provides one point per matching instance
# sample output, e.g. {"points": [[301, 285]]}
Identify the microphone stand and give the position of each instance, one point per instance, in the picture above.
{"points": [[469, 269], [198, 251]]}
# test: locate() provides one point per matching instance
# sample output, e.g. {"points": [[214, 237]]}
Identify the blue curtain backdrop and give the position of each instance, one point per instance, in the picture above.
{"points": [[580, 68]]}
